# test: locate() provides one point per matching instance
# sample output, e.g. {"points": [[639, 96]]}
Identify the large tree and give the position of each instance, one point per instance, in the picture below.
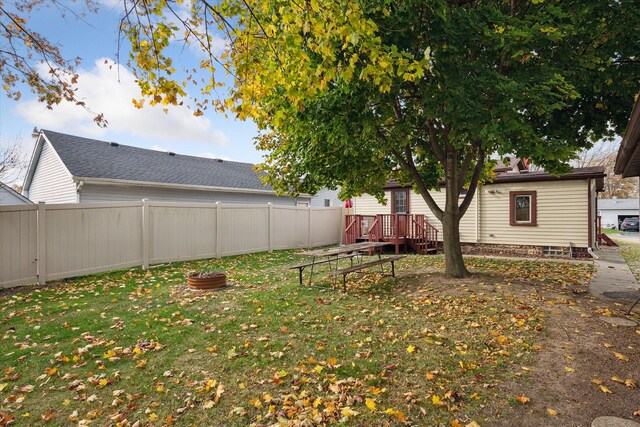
{"points": [[353, 93]]}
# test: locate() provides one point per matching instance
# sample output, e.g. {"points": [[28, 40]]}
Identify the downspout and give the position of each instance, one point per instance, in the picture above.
{"points": [[79, 186]]}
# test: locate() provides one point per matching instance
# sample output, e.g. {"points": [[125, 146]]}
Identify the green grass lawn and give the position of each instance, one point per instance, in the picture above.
{"points": [[139, 346], [610, 231], [630, 251]]}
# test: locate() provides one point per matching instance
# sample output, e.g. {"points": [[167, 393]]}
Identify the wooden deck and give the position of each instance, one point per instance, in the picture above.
{"points": [[407, 231]]}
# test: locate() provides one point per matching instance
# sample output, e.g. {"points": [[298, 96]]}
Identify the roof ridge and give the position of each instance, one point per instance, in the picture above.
{"points": [[45, 131]]}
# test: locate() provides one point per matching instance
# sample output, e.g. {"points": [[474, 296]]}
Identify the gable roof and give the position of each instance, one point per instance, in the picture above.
{"points": [[618, 204], [87, 158], [5, 187]]}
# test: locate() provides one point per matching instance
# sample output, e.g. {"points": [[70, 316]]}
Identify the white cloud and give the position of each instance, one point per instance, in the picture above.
{"points": [[210, 155], [100, 89]]}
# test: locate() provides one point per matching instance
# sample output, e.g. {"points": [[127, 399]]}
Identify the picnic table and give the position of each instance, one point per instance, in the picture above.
{"points": [[332, 256]]}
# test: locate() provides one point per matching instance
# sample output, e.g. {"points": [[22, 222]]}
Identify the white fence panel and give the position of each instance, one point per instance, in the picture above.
{"points": [[326, 226], [77, 239], [243, 229], [290, 227], [181, 232], [90, 238], [18, 245]]}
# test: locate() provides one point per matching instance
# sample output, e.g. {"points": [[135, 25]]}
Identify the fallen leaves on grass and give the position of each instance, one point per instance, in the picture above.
{"points": [[621, 356], [604, 389]]}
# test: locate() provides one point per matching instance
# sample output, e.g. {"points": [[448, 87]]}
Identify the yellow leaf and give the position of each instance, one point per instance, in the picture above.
{"points": [[523, 399], [153, 416], [605, 390], [411, 349], [371, 403], [596, 381], [630, 383], [348, 412], [552, 412], [456, 423], [568, 369], [472, 424], [618, 380], [436, 400], [621, 356]]}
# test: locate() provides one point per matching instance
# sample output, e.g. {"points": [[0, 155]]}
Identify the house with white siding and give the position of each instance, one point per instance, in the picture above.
{"points": [[521, 212], [613, 211], [9, 196], [72, 169]]}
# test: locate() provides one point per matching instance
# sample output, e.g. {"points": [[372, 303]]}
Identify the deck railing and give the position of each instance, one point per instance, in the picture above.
{"points": [[412, 229]]}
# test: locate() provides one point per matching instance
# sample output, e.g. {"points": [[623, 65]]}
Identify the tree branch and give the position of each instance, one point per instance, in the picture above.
{"points": [[474, 182], [466, 164], [417, 180], [435, 143]]}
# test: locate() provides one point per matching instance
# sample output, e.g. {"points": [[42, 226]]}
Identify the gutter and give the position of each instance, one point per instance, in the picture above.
{"points": [[124, 182]]}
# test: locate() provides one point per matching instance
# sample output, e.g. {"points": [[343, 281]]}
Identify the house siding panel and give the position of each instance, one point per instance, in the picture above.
{"points": [[368, 205], [91, 193], [52, 182], [562, 214]]}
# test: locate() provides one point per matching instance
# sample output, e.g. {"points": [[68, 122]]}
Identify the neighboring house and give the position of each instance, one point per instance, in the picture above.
{"points": [[613, 211], [520, 213], [72, 169], [326, 198], [9, 196]]}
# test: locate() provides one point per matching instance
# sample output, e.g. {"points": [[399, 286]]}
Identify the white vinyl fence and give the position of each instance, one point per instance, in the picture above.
{"points": [[48, 242]]}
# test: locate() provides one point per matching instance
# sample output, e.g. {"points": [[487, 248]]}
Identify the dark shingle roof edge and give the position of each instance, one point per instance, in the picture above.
{"points": [[595, 172], [103, 161]]}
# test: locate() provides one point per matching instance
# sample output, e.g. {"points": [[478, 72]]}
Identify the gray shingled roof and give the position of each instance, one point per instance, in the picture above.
{"points": [[618, 204], [91, 158]]}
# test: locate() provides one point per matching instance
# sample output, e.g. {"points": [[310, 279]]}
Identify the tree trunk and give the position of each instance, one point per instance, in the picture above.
{"points": [[454, 263]]}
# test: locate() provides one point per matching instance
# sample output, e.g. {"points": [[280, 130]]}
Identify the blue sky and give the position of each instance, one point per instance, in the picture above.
{"points": [[108, 89]]}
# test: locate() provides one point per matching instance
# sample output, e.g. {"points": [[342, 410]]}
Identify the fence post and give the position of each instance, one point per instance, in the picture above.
{"points": [[146, 228], [41, 250], [218, 228], [270, 227], [309, 227]]}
